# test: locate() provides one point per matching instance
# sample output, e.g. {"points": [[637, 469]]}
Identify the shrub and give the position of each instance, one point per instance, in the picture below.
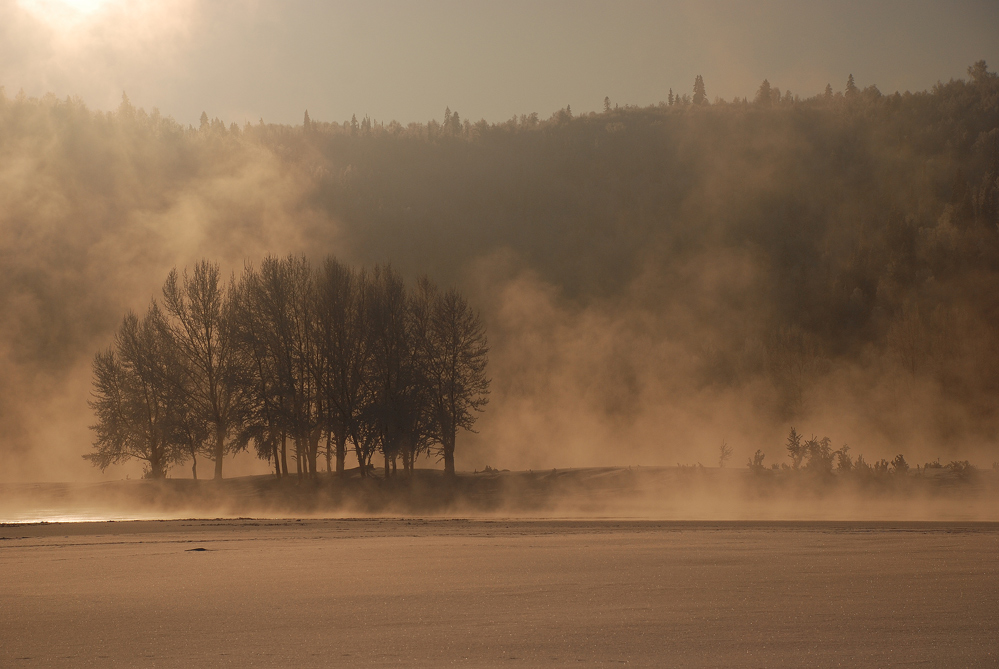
{"points": [[820, 455], [843, 461], [795, 449], [962, 468], [756, 462]]}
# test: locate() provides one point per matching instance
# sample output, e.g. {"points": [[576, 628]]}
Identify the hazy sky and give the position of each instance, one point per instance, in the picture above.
{"points": [[243, 60]]}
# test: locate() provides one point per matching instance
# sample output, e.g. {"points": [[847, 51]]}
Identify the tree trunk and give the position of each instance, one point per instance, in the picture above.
{"points": [[299, 465], [277, 460], [449, 455], [329, 453], [341, 454], [387, 465], [194, 465], [313, 452], [284, 453], [156, 467], [219, 450], [360, 455], [155, 461]]}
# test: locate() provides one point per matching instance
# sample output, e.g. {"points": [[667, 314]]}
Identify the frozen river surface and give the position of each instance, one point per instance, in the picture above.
{"points": [[489, 593]]}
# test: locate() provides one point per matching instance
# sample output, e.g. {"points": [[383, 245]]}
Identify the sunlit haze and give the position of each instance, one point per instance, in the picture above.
{"points": [[499, 333], [60, 11], [241, 61]]}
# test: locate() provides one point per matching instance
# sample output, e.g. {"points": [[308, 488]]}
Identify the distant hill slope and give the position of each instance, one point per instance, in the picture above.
{"points": [[653, 279]]}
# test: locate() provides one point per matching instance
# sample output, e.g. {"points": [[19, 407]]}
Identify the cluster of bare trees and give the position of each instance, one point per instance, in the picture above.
{"points": [[291, 357]]}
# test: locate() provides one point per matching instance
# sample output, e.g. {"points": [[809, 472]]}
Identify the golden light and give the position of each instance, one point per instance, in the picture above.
{"points": [[119, 26], [64, 11]]}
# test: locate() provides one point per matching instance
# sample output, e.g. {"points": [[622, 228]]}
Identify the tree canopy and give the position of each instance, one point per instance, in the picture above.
{"points": [[291, 353]]}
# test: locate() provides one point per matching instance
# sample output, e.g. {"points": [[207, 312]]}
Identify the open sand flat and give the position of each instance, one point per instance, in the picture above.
{"points": [[493, 592]]}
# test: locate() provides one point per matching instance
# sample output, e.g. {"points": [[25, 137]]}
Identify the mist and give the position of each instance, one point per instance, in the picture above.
{"points": [[681, 319], [653, 280]]}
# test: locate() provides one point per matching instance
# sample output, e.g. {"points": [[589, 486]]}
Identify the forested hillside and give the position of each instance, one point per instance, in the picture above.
{"points": [[653, 279]]}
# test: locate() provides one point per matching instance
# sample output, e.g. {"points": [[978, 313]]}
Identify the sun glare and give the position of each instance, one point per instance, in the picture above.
{"points": [[64, 12], [123, 26]]}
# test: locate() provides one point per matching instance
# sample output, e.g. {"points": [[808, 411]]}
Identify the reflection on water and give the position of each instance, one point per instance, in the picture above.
{"points": [[22, 517]]}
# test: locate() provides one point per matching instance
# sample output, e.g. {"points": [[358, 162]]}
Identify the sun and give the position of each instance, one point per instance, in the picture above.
{"points": [[76, 28], [62, 12]]}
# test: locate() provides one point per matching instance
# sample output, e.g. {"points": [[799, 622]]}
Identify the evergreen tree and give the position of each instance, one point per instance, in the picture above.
{"points": [[979, 73], [795, 449], [851, 87], [700, 96], [764, 94]]}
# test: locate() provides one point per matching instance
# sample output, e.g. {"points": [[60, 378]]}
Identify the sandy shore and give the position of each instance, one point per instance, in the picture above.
{"points": [[414, 592]]}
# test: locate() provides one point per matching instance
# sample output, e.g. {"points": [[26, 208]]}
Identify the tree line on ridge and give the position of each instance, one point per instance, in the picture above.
{"points": [[835, 248]]}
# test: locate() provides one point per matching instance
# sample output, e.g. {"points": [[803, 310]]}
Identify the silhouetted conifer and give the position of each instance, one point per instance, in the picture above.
{"points": [[700, 96]]}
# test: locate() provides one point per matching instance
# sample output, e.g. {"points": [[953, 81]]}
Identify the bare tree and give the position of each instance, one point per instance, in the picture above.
{"points": [[724, 453], [393, 404], [282, 307], [131, 398], [422, 429], [342, 338], [456, 357], [191, 434], [262, 423], [310, 366], [289, 352], [203, 328]]}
